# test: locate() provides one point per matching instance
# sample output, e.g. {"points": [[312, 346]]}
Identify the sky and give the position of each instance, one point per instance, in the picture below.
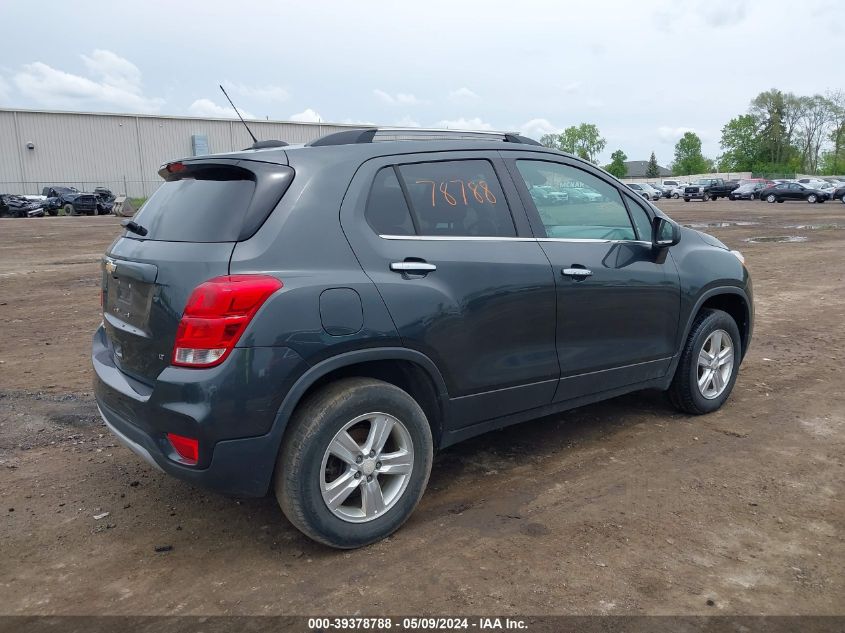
{"points": [[644, 72]]}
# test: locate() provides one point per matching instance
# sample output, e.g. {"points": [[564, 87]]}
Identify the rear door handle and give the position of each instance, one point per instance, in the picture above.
{"points": [[412, 267], [576, 273]]}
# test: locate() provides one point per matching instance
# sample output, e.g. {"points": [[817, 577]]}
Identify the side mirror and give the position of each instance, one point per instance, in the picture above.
{"points": [[664, 233]]}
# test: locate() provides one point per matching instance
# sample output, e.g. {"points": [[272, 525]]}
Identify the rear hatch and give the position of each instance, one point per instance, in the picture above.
{"points": [[187, 231]]}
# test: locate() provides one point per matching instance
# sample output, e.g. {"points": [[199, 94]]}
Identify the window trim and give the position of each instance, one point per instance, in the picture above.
{"points": [[413, 212]]}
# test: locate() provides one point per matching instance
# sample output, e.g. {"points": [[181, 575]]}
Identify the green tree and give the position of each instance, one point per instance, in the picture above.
{"points": [[741, 143], [582, 140], [617, 164], [688, 157], [652, 171]]}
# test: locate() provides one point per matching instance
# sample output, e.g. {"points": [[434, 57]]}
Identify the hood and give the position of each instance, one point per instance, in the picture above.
{"points": [[707, 239]]}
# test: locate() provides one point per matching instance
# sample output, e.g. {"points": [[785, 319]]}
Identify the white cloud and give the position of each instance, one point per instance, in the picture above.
{"points": [[669, 134], [462, 94], [307, 116], [536, 128], [400, 98], [722, 13], [407, 121], [462, 123], [5, 90], [269, 92], [207, 108], [114, 70], [117, 85]]}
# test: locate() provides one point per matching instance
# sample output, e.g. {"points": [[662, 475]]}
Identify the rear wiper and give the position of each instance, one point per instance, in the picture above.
{"points": [[129, 225]]}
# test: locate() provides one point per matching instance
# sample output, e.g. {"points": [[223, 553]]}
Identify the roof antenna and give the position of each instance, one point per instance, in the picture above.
{"points": [[255, 140]]}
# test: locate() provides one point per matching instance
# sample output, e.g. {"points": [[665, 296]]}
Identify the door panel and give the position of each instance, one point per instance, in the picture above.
{"points": [[481, 307], [618, 300], [618, 324]]}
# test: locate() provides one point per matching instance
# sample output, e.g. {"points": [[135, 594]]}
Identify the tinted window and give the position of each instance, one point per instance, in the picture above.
{"points": [[212, 203], [387, 212], [458, 198], [641, 220], [574, 204]]}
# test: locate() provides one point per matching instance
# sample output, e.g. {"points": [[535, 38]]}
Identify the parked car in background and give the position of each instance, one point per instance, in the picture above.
{"points": [[812, 183], [70, 200], [668, 186], [645, 190], [839, 194], [678, 192], [709, 189], [748, 191], [105, 200], [12, 206], [322, 334], [793, 191]]}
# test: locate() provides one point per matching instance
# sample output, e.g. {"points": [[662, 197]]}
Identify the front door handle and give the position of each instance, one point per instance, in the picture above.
{"points": [[419, 268], [576, 273]]}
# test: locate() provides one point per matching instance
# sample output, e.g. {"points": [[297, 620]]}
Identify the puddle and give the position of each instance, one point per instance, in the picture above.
{"points": [[775, 238], [815, 227], [718, 225]]}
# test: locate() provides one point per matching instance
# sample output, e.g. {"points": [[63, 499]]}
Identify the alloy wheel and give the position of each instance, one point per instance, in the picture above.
{"points": [[715, 364], [366, 467]]}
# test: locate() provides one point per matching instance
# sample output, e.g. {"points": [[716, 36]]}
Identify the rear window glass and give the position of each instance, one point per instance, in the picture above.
{"points": [[387, 212], [208, 206], [460, 198]]}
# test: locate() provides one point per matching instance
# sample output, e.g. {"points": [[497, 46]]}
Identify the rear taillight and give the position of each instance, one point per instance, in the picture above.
{"points": [[216, 315]]}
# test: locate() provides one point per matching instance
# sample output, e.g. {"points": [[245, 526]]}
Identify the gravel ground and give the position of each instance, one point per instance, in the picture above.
{"points": [[624, 507]]}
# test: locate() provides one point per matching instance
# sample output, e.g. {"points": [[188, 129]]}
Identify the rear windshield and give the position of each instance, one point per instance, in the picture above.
{"points": [[213, 202], [206, 206]]}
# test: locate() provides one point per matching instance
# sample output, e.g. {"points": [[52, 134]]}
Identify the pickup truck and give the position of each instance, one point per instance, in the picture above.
{"points": [[709, 189]]}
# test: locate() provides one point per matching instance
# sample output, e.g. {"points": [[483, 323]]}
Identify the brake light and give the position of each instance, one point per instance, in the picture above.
{"points": [[217, 313], [188, 448], [175, 168]]}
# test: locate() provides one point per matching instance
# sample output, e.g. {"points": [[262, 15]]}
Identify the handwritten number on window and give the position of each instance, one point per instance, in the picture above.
{"points": [[479, 190]]}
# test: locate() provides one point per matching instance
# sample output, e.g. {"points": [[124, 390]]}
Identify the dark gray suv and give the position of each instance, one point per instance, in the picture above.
{"points": [[319, 319]]}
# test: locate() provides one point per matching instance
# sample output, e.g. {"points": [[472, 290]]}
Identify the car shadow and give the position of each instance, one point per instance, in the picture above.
{"points": [[258, 524]]}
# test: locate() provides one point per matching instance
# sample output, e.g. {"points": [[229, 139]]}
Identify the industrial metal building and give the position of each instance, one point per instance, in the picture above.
{"points": [[120, 151]]}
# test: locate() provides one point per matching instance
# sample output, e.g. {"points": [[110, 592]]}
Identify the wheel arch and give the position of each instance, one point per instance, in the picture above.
{"points": [[729, 299], [408, 369]]}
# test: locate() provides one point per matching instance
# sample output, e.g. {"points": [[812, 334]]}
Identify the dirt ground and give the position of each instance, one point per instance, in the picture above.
{"points": [[622, 507]]}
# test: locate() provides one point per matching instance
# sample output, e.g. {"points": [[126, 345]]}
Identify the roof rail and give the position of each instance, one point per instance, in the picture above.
{"points": [[368, 135]]}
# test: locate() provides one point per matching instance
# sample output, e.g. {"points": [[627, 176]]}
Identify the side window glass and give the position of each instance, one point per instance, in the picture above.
{"points": [[387, 212], [574, 204], [641, 220], [459, 198]]}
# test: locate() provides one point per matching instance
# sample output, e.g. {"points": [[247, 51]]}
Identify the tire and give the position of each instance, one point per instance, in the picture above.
{"points": [[677, 195], [780, 201], [645, 195], [753, 196], [812, 198], [304, 460], [843, 199], [771, 198], [685, 392], [686, 199], [53, 212], [705, 197], [68, 209]]}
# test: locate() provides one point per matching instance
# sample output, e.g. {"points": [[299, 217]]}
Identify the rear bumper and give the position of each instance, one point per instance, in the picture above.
{"points": [[230, 409]]}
